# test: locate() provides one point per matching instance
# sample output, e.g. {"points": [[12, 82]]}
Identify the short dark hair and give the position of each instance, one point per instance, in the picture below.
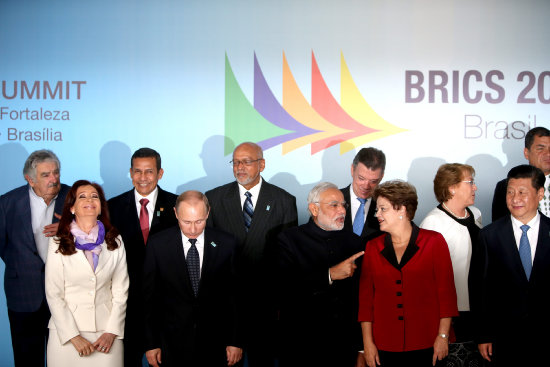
{"points": [[536, 131], [146, 153], [371, 157], [527, 171], [399, 193]]}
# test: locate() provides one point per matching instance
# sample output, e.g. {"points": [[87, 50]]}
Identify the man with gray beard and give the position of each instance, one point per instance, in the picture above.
{"points": [[318, 286]]}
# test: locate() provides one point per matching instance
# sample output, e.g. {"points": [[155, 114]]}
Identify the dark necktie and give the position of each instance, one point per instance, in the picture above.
{"points": [[525, 251], [359, 220], [194, 265], [248, 210], [144, 219]]}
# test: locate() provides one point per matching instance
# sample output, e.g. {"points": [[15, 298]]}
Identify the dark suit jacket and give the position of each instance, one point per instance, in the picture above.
{"points": [[371, 228], [191, 331], [318, 320], [508, 308], [125, 218], [275, 210], [24, 274], [499, 207]]}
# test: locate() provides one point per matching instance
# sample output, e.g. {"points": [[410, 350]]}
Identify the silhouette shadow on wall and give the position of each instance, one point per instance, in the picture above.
{"points": [[114, 158]]}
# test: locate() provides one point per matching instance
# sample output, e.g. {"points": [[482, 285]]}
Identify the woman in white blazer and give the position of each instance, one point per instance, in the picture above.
{"points": [[86, 283], [459, 222]]}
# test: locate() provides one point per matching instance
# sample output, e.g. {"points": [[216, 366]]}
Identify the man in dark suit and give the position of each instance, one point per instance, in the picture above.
{"points": [[367, 170], [255, 212], [318, 286], [537, 152], [28, 216], [189, 292], [137, 214], [510, 277]]}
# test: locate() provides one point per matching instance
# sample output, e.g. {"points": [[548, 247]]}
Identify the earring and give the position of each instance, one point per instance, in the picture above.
{"points": [[401, 217], [452, 192], [72, 212]]}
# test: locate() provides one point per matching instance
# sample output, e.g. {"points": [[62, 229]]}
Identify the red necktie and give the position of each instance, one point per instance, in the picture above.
{"points": [[144, 219]]}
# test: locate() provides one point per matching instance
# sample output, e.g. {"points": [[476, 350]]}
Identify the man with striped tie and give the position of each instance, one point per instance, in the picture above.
{"points": [[255, 212]]}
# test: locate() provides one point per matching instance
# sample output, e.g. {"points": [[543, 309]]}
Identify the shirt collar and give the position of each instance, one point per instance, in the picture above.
{"points": [[152, 197], [534, 222], [255, 191]]}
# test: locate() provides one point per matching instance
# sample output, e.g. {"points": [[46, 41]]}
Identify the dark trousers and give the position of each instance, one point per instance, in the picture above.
{"points": [[29, 336]]}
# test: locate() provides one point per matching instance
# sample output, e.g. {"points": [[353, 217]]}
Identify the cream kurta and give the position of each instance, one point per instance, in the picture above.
{"points": [[460, 247], [86, 303]]}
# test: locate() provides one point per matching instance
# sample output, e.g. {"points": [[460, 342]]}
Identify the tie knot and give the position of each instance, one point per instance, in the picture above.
{"points": [[524, 228], [363, 201], [248, 194], [193, 241], [144, 202]]}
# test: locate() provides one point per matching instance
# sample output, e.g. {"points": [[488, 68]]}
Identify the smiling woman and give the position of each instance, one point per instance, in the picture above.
{"points": [[86, 283]]}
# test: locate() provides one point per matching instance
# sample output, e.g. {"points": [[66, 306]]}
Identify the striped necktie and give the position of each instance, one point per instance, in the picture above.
{"points": [[248, 210]]}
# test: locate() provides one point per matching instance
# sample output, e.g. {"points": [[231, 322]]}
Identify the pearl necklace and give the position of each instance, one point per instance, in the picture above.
{"points": [[456, 216]]}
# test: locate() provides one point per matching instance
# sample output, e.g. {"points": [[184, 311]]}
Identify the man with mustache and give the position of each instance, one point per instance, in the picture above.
{"points": [[367, 170], [318, 286], [29, 215], [255, 212]]}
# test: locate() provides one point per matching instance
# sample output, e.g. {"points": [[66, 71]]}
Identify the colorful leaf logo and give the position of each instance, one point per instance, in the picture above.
{"points": [[296, 123]]}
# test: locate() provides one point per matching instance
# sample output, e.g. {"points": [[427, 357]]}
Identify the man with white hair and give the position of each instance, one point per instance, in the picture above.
{"points": [[318, 286], [29, 215]]}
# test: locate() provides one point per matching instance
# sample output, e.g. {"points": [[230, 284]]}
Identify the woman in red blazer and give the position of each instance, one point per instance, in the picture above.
{"points": [[407, 294]]}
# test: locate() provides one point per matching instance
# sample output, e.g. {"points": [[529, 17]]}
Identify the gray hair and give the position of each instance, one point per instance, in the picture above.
{"points": [[37, 157], [315, 194]]}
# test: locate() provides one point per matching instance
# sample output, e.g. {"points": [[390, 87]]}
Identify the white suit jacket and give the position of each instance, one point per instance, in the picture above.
{"points": [[460, 248], [81, 300]]}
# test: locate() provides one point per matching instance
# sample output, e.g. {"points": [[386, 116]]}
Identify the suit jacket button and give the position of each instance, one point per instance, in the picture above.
{"points": [[398, 281], [400, 318], [398, 294], [399, 305]]}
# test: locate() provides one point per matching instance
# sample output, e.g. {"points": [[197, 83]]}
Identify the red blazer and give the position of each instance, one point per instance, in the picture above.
{"points": [[405, 301]]}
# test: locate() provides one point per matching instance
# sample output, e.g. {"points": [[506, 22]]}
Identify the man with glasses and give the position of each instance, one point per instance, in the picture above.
{"points": [[367, 170], [255, 212], [318, 286]]}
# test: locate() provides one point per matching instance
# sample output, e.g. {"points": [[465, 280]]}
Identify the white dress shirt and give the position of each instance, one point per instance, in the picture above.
{"points": [[41, 216], [255, 191], [532, 233], [355, 203], [152, 197]]}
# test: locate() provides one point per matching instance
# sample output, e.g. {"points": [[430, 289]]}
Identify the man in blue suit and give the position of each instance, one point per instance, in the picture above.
{"points": [[28, 217]]}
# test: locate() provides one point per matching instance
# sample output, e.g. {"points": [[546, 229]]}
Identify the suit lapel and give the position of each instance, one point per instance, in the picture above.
{"points": [[542, 253], [510, 249], [209, 255], [233, 212], [159, 208], [26, 219], [132, 215], [263, 209], [347, 198], [104, 258]]}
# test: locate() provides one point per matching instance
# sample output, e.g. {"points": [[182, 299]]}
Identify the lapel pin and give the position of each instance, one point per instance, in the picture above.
{"points": [[158, 213], [267, 207], [213, 244]]}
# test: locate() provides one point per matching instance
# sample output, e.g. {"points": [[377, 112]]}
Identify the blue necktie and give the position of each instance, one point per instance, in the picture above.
{"points": [[525, 251], [194, 265], [359, 220], [248, 210]]}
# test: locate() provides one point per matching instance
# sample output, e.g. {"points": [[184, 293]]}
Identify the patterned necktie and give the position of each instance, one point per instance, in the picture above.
{"points": [[525, 251], [194, 265], [248, 210], [359, 220], [144, 219], [544, 204]]}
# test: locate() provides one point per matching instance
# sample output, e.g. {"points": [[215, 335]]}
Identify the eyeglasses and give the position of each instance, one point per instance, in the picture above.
{"points": [[334, 204], [246, 162], [472, 183]]}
